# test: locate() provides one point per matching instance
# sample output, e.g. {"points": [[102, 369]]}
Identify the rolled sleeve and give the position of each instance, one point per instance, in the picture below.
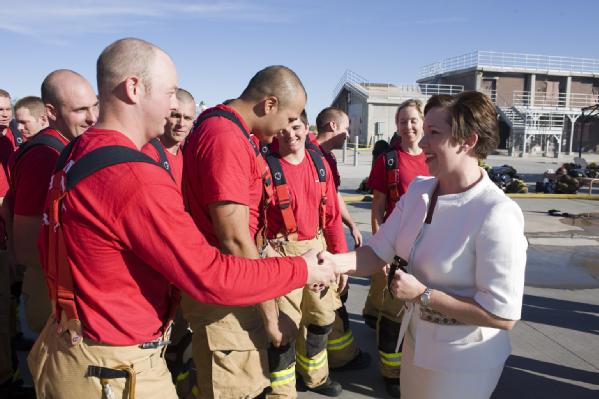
{"points": [[384, 241], [500, 261]]}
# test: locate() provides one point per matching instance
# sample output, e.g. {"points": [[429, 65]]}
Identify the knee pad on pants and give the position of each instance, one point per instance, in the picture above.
{"points": [[316, 339], [282, 357], [388, 333]]}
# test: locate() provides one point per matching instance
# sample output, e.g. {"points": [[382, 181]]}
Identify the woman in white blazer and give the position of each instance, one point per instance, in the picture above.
{"points": [[463, 239]]}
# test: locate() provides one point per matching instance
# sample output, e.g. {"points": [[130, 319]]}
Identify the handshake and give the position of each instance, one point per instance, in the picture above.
{"points": [[323, 269]]}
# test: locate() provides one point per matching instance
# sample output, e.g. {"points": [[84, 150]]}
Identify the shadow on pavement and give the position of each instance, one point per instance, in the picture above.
{"points": [[365, 281], [521, 379], [561, 313], [362, 205]]}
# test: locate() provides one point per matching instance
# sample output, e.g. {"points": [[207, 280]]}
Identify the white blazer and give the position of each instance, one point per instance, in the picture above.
{"points": [[474, 247]]}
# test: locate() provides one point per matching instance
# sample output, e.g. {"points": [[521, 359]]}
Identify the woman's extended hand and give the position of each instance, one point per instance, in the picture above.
{"points": [[406, 287]]}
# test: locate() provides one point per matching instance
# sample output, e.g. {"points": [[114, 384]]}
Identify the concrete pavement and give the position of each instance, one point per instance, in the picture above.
{"points": [[556, 344]]}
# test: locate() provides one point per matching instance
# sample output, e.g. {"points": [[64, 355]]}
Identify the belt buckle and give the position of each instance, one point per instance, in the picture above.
{"points": [[155, 344]]}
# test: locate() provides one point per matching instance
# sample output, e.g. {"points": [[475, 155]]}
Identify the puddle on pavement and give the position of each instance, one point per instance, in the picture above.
{"points": [[587, 221], [590, 223]]}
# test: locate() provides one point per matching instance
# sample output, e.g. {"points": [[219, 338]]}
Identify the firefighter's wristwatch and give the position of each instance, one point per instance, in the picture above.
{"points": [[425, 297]]}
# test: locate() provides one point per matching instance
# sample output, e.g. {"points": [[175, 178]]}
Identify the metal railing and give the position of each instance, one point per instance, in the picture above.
{"points": [[352, 78], [405, 91], [544, 122], [512, 116], [517, 61], [390, 91], [554, 100]]}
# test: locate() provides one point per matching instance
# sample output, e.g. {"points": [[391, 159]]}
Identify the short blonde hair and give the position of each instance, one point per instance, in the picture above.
{"points": [[412, 102], [35, 105]]}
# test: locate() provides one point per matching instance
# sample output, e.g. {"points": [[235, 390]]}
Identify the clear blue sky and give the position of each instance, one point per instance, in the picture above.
{"points": [[218, 46]]}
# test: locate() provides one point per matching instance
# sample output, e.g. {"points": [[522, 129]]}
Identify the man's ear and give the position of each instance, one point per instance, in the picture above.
{"points": [[333, 126], [271, 104], [51, 112], [43, 119], [132, 87]]}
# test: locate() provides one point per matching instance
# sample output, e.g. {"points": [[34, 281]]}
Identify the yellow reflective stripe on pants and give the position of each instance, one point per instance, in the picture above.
{"points": [[182, 376], [312, 364], [340, 343], [390, 359], [195, 391], [282, 377]]}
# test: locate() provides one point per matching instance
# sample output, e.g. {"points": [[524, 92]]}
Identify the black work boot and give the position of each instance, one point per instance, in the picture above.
{"points": [[361, 361], [330, 388], [392, 387]]}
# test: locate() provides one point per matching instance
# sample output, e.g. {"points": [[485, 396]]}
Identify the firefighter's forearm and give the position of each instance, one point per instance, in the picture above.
{"points": [[379, 202], [345, 216], [269, 312]]}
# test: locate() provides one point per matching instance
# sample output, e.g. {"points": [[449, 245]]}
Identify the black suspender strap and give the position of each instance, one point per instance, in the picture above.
{"points": [[392, 168], [162, 158], [101, 158], [39, 139], [233, 118], [64, 155], [276, 169], [16, 133], [318, 162], [312, 147], [283, 196], [391, 160], [265, 149], [319, 165]]}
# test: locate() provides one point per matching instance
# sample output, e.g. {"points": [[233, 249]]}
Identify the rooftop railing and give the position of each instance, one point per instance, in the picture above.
{"points": [[391, 91], [406, 91], [511, 61], [354, 79], [557, 100]]}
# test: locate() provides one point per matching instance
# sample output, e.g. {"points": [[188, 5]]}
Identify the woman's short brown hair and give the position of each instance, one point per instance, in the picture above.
{"points": [[470, 112]]}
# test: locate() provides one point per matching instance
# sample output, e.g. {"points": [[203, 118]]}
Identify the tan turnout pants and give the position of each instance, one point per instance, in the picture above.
{"points": [[374, 300], [229, 346], [59, 369], [342, 347], [388, 310], [316, 314]]}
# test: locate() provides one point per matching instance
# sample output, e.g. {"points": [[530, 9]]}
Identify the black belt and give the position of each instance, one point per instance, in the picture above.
{"points": [[106, 373]]}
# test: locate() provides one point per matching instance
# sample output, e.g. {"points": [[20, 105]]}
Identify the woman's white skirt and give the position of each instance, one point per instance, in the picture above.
{"points": [[420, 383]]}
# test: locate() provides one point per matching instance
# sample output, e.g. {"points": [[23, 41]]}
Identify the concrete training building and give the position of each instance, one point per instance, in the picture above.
{"points": [[539, 99]]}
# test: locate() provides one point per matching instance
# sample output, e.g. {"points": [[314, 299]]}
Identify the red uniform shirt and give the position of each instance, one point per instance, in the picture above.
{"points": [[30, 176], [220, 165], [304, 190], [128, 238], [175, 161], [409, 166], [4, 186], [4, 189], [331, 160], [7, 147]]}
